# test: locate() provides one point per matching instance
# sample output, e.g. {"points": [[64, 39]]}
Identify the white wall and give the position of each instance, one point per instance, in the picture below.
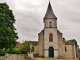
{"points": [[55, 53], [46, 53], [47, 31]]}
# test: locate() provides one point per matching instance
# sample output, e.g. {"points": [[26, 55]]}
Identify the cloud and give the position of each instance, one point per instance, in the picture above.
{"points": [[29, 17], [68, 14]]}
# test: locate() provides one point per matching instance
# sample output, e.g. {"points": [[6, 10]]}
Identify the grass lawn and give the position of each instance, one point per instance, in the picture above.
{"points": [[22, 59], [53, 59]]}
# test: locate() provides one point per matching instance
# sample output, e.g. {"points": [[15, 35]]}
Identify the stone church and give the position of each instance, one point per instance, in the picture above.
{"points": [[50, 42]]}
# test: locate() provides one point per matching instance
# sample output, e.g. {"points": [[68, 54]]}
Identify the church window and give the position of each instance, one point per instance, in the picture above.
{"points": [[50, 37], [65, 49], [50, 24]]}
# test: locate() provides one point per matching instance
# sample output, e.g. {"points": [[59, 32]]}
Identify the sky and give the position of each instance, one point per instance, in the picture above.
{"points": [[29, 16]]}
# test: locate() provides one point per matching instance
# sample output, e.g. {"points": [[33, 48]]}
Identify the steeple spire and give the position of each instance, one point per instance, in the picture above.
{"points": [[49, 1], [49, 13]]}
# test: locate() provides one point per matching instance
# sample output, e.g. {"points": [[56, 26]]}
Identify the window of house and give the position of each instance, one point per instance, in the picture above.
{"points": [[65, 49], [50, 37]]}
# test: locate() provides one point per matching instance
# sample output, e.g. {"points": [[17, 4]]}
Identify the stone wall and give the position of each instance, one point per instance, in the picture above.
{"points": [[69, 51], [47, 23], [15, 56], [41, 43], [36, 50], [61, 44], [2, 57], [18, 44], [77, 52]]}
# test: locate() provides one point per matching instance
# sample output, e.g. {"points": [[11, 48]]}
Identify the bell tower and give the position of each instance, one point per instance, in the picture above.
{"points": [[50, 18], [50, 33]]}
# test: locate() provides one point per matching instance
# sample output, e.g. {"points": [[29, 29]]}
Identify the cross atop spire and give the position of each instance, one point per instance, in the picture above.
{"points": [[49, 13]]}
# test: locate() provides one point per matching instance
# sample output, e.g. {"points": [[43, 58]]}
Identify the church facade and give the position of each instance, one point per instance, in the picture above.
{"points": [[50, 42]]}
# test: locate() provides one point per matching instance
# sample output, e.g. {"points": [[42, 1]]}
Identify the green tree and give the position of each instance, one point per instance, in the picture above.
{"points": [[25, 47], [8, 35]]}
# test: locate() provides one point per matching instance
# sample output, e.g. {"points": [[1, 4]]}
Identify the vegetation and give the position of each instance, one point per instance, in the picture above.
{"points": [[7, 30], [22, 50], [74, 41], [79, 57], [8, 36], [32, 49], [25, 47], [2, 52]]}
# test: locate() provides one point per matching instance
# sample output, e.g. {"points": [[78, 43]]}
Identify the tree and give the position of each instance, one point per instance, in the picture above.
{"points": [[25, 47], [75, 42], [8, 35]]}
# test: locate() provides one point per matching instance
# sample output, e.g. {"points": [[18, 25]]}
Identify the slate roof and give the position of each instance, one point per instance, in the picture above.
{"points": [[49, 13]]}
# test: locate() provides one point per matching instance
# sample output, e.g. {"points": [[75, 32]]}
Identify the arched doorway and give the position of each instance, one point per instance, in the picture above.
{"points": [[51, 52]]}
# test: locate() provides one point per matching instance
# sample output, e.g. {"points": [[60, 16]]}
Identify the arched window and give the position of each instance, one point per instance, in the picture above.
{"points": [[50, 24], [50, 37]]}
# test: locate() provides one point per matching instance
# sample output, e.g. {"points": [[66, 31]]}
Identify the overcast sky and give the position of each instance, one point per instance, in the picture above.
{"points": [[29, 16]]}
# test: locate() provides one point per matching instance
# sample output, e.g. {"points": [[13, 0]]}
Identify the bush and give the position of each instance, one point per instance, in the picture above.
{"points": [[14, 51], [25, 48], [2, 52], [22, 50]]}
